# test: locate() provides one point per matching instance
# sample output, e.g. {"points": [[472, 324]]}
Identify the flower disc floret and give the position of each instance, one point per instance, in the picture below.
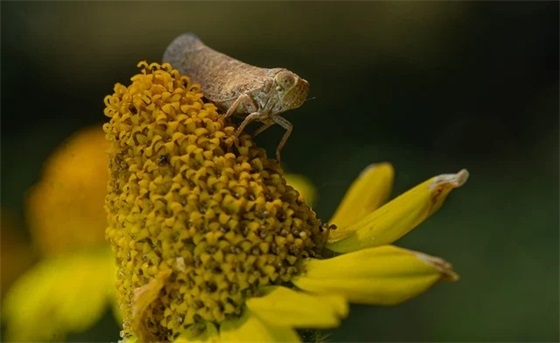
{"points": [[193, 218]]}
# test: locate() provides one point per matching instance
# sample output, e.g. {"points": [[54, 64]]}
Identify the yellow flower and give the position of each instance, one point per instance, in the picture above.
{"points": [[211, 242], [16, 254], [69, 289]]}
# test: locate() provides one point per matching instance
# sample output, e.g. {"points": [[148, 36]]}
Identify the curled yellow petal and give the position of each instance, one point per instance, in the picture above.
{"points": [[384, 275], [286, 307], [369, 191], [249, 328], [143, 297], [396, 218]]}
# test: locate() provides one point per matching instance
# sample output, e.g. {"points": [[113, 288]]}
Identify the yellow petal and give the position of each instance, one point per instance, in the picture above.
{"points": [[369, 191], [377, 276], [249, 328], [143, 297], [303, 185], [58, 296], [285, 307], [396, 218]]}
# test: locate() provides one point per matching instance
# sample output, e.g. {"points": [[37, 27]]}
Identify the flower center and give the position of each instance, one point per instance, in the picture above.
{"points": [[183, 198]]}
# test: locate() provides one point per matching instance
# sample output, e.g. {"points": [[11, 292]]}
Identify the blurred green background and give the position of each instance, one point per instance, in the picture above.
{"points": [[431, 87]]}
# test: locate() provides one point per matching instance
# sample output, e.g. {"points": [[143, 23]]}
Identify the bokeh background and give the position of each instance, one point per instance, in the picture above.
{"points": [[432, 87]]}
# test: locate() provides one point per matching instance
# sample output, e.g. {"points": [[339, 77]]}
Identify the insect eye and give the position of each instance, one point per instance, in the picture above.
{"points": [[285, 79]]}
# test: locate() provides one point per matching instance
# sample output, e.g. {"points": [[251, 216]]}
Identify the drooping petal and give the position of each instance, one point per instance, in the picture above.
{"points": [[58, 296], [249, 328], [396, 218], [369, 191], [143, 297], [384, 275], [286, 307]]}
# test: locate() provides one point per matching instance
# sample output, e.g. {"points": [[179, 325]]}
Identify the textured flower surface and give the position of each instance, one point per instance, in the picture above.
{"points": [[211, 242], [69, 288]]}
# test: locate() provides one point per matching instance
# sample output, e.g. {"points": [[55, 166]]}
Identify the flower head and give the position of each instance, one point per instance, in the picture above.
{"points": [[15, 252], [65, 209], [212, 243]]}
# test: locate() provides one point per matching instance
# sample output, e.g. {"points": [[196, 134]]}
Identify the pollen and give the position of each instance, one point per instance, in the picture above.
{"points": [[188, 200]]}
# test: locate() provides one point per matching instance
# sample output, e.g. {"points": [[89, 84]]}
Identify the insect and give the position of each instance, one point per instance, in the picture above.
{"points": [[238, 88]]}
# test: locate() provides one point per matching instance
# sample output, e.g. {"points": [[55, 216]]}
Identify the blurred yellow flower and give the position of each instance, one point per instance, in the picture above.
{"points": [[16, 254], [211, 242], [69, 289]]}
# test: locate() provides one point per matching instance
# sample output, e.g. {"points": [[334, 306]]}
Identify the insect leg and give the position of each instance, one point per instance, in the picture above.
{"points": [[248, 119], [286, 125], [243, 100]]}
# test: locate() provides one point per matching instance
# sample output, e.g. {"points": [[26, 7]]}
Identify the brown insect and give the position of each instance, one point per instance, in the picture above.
{"points": [[238, 88]]}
